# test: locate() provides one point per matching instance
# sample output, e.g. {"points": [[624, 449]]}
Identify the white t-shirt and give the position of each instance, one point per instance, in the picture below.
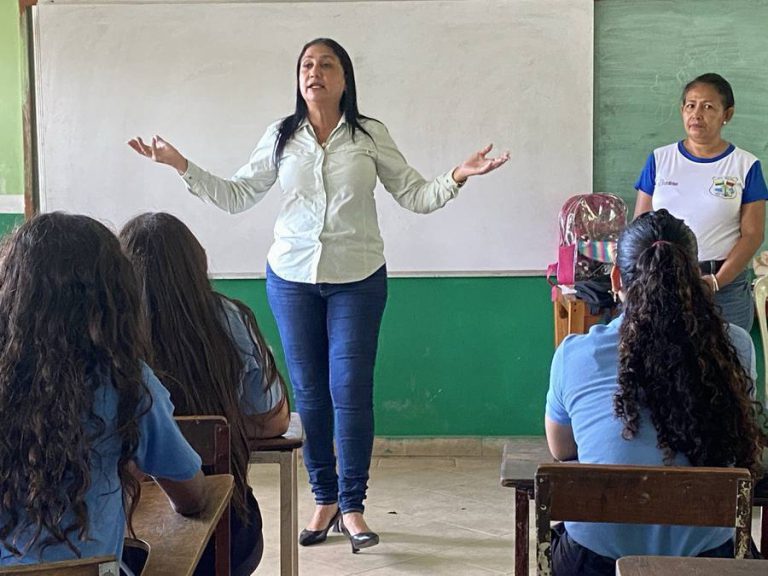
{"points": [[705, 192]]}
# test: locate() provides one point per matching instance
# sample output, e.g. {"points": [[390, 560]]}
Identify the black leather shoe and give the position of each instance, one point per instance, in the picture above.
{"points": [[310, 537], [361, 539]]}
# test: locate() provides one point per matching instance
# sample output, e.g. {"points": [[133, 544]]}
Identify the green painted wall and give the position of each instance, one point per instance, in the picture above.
{"points": [[458, 356], [9, 221], [11, 164], [461, 356]]}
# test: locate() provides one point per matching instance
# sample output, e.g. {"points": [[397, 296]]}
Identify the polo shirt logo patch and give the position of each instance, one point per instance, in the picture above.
{"points": [[725, 187]]}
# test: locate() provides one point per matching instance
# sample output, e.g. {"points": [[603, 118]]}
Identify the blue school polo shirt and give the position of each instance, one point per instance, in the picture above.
{"points": [[583, 382]]}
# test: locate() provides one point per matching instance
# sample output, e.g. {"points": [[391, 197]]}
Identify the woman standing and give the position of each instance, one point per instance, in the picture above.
{"points": [[717, 188], [326, 275]]}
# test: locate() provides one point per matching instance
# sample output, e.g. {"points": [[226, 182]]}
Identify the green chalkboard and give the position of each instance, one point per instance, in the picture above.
{"points": [[646, 51]]}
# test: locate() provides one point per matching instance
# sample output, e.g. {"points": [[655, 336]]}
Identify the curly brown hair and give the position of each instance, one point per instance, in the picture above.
{"points": [[192, 352], [676, 359], [69, 304]]}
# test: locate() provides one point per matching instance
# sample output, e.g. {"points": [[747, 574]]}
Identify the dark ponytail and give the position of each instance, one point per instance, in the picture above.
{"points": [[676, 359]]}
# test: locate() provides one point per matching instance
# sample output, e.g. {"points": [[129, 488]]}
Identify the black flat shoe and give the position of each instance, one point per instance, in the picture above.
{"points": [[310, 537], [361, 539]]}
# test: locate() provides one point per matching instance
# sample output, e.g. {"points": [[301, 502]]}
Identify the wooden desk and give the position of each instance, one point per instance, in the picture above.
{"points": [[675, 566], [518, 471], [176, 542], [284, 450], [572, 316]]}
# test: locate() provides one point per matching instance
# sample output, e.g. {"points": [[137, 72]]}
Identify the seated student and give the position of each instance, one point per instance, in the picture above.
{"points": [[80, 409], [209, 351], [665, 383]]}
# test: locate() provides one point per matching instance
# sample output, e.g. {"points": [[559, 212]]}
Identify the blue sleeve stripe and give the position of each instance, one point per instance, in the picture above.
{"points": [[754, 185], [647, 180]]}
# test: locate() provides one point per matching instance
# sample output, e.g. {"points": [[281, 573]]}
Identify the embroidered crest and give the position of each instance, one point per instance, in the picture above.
{"points": [[725, 187]]}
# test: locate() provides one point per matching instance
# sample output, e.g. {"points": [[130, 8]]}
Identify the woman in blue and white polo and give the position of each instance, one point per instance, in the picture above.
{"points": [[717, 188]]}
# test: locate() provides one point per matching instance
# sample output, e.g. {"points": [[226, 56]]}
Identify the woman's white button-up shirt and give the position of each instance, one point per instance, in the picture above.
{"points": [[327, 229]]}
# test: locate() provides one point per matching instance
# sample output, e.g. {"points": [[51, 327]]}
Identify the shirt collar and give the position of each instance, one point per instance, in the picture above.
{"points": [[305, 122]]}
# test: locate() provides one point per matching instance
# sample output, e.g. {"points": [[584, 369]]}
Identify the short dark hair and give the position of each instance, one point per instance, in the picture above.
{"points": [[717, 82]]}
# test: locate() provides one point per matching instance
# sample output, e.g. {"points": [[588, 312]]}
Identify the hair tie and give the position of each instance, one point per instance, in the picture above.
{"points": [[658, 242]]}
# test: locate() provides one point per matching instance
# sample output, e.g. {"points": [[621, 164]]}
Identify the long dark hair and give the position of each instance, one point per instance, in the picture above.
{"points": [[191, 350], [70, 324], [675, 357], [347, 104]]}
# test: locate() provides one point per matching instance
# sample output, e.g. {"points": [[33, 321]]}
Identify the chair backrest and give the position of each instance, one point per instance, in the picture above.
{"points": [[97, 566], [761, 299], [210, 438], [688, 496]]}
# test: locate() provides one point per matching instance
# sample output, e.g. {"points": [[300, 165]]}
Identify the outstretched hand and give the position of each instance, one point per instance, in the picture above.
{"points": [[478, 164], [160, 151]]}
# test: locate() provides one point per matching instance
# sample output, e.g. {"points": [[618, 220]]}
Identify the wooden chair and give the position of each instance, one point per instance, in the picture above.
{"points": [[688, 496], [209, 436], [97, 566], [283, 450]]}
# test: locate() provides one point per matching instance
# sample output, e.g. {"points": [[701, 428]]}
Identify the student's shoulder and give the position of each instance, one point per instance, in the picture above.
{"points": [[235, 322], [231, 313], [154, 387], [227, 305]]}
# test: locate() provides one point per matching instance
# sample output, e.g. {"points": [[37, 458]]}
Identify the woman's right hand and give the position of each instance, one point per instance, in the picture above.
{"points": [[160, 151]]}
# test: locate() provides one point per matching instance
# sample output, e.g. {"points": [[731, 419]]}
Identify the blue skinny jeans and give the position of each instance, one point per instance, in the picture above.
{"points": [[330, 335]]}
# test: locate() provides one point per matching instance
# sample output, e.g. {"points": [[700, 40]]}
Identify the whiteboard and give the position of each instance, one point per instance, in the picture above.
{"points": [[446, 77]]}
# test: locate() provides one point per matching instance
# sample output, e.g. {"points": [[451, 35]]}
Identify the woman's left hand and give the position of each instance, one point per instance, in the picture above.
{"points": [[478, 164]]}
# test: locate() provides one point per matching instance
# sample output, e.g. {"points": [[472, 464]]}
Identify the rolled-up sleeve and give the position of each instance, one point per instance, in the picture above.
{"points": [[404, 183], [247, 187]]}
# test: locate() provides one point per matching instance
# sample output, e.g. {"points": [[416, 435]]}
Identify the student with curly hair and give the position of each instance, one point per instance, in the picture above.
{"points": [[80, 409], [209, 352], [668, 382]]}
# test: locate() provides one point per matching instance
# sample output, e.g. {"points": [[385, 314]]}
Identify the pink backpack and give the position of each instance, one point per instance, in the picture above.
{"points": [[589, 228]]}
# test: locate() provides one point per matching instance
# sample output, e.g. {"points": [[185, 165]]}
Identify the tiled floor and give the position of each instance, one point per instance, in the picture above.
{"points": [[435, 515]]}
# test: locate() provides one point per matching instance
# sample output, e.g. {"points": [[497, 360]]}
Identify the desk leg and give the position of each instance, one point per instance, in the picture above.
{"points": [[289, 554], [764, 531], [521, 532], [294, 513]]}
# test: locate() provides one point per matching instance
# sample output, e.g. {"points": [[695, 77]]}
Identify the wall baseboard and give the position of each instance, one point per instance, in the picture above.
{"points": [[453, 446], [11, 204], [448, 447]]}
